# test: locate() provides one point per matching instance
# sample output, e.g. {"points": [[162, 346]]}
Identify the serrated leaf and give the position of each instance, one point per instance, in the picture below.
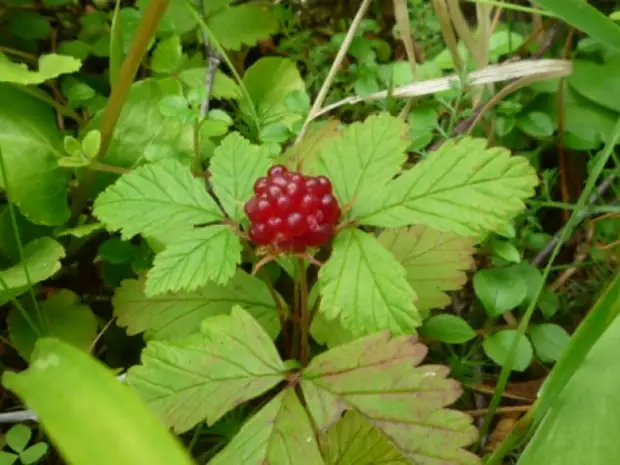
{"points": [[330, 333], [202, 255], [435, 261], [448, 328], [308, 149], [154, 198], [64, 317], [463, 187], [242, 25], [50, 66], [235, 166], [167, 55], [279, 434], [41, 257], [268, 82], [28, 126], [379, 377], [353, 441], [497, 346], [201, 378], [175, 316], [366, 287], [18, 437]]}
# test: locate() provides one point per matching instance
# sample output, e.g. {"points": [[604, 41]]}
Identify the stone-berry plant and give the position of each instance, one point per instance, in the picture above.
{"points": [[319, 343]]}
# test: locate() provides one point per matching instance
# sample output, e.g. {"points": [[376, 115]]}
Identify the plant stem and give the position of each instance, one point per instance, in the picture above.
{"points": [[153, 14], [304, 316], [44, 97], [281, 314]]}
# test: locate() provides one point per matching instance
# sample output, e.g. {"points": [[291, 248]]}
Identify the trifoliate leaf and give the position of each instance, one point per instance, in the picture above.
{"points": [[34, 453], [378, 377], [50, 66], [64, 317], [497, 346], [280, 431], [18, 437], [41, 257], [353, 441], [448, 328], [175, 316], [235, 166], [242, 25], [201, 378], [435, 261], [367, 155], [268, 82], [28, 126], [154, 198], [366, 287], [202, 255], [463, 187]]}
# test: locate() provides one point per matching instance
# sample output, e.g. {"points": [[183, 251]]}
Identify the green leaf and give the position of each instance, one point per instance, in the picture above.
{"points": [[201, 378], [448, 328], [224, 87], [26, 232], [34, 453], [176, 316], [435, 262], [18, 437], [66, 387], [367, 155], [596, 82], [64, 317], [548, 303], [280, 433], [28, 126], [549, 341], [167, 55], [7, 458], [155, 198], [91, 143], [50, 67], [242, 25], [268, 82], [29, 24], [506, 250], [379, 377], [366, 287], [202, 255], [463, 187], [498, 344], [116, 45], [80, 231], [235, 166], [536, 124], [500, 289], [210, 7], [330, 333], [353, 441], [41, 258], [116, 251]]}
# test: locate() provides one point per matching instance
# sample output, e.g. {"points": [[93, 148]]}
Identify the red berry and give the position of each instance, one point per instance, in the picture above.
{"points": [[259, 234], [278, 180], [324, 186], [274, 192], [260, 186], [330, 208], [277, 170], [308, 204], [294, 189], [319, 236], [283, 205], [296, 224]]}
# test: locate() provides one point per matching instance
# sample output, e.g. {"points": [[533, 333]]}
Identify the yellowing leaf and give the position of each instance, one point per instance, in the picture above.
{"points": [[463, 187], [379, 377], [435, 261], [154, 198], [202, 255], [280, 433], [50, 66], [231, 361], [175, 316], [366, 287]]}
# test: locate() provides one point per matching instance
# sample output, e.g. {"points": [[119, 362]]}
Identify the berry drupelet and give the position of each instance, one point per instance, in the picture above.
{"points": [[291, 212]]}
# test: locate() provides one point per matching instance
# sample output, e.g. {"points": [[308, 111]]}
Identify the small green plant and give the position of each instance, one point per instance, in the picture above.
{"points": [[17, 439]]}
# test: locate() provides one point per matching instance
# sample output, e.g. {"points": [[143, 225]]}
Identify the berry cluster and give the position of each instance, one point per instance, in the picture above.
{"points": [[290, 211]]}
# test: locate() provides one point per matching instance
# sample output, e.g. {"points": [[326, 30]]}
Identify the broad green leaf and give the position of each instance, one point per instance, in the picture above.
{"points": [[268, 82], [41, 258], [364, 286], [143, 130], [7, 458], [536, 124], [549, 341], [367, 155], [201, 378], [242, 25], [353, 441], [18, 437], [50, 66], [34, 453], [26, 231], [307, 150], [154, 198], [500, 289], [80, 231], [463, 187], [29, 24], [330, 333], [64, 317], [66, 387], [224, 87], [581, 425], [210, 7], [202, 255], [280, 433], [177, 20], [448, 328], [379, 377], [175, 316], [28, 126], [498, 344], [167, 55], [596, 82], [435, 261], [235, 166]]}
